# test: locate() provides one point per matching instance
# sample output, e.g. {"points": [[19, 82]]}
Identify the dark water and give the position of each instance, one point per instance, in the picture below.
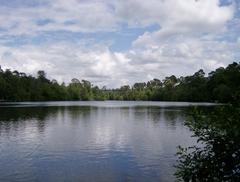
{"points": [[91, 141]]}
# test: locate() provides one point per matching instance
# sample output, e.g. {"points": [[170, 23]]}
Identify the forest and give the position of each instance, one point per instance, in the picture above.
{"points": [[221, 85]]}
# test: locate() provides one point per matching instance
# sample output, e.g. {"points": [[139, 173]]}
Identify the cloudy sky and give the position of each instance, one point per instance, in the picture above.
{"points": [[116, 42]]}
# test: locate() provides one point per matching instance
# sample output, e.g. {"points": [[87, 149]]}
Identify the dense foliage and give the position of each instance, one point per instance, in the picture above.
{"points": [[218, 156], [220, 85]]}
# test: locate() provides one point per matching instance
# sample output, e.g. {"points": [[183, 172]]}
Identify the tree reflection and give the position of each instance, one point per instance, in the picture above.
{"points": [[18, 117]]}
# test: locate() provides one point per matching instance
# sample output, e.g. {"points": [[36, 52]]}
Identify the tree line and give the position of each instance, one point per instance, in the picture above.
{"points": [[216, 156], [221, 85]]}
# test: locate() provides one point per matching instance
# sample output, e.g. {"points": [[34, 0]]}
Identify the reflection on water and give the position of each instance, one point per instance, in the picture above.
{"points": [[90, 143]]}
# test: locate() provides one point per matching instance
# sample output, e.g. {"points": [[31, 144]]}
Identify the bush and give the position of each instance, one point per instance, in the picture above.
{"points": [[217, 158]]}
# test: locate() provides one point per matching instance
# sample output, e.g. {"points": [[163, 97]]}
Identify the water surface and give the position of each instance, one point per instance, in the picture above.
{"points": [[91, 141]]}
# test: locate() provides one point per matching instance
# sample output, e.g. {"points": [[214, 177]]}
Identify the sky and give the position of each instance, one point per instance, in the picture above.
{"points": [[118, 42]]}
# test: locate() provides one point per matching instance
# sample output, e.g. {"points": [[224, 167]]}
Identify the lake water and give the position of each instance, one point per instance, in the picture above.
{"points": [[91, 141]]}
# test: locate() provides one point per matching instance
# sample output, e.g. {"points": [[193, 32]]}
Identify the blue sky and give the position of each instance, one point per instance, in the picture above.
{"points": [[116, 42]]}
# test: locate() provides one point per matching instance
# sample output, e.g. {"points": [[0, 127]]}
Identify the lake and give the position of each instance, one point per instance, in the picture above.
{"points": [[103, 141]]}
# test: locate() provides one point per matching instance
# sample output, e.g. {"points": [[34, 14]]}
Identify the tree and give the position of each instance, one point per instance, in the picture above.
{"points": [[220, 85], [42, 76], [218, 156]]}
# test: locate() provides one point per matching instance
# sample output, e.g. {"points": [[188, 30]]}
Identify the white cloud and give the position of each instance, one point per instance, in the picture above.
{"points": [[176, 15], [71, 15], [65, 61], [190, 37], [107, 15], [101, 66]]}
